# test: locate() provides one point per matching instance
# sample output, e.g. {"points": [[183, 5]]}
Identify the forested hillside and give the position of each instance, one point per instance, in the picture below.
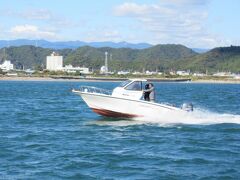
{"points": [[159, 57]]}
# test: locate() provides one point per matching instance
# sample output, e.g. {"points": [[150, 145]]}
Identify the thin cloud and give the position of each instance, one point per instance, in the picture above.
{"points": [[47, 16], [44, 16], [37, 14], [38, 23], [32, 32], [30, 14], [172, 21]]}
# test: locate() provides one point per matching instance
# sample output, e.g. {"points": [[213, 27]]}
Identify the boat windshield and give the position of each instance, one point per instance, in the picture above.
{"points": [[135, 86], [124, 83]]}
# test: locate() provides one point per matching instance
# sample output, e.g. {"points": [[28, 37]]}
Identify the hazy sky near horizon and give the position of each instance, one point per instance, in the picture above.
{"points": [[194, 23]]}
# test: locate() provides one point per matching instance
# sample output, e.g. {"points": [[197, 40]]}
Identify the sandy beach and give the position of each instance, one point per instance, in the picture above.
{"points": [[9, 78], [228, 81], [5, 78]]}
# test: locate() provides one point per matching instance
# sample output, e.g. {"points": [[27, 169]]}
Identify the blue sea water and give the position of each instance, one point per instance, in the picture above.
{"points": [[48, 132]]}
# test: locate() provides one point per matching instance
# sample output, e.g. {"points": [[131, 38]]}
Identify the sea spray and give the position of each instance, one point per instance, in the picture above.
{"points": [[198, 116]]}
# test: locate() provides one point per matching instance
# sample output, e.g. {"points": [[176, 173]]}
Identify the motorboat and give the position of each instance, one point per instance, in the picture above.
{"points": [[126, 101]]}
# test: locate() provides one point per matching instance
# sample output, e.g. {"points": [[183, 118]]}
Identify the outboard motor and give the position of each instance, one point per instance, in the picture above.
{"points": [[187, 107]]}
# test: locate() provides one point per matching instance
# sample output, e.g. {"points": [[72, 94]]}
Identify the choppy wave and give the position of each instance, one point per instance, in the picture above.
{"points": [[49, 133]]}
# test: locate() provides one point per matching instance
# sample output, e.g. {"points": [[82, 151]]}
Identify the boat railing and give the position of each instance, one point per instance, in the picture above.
{"points": [[95, 90]]}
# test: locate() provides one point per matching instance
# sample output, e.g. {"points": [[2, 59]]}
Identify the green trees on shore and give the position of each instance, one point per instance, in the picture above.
{"points": [[159, 57]]}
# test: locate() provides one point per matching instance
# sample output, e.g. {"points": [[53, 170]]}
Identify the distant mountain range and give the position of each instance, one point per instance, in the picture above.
{"points": [[200, 50], [159, 57], [77, 44], [72, 44]]}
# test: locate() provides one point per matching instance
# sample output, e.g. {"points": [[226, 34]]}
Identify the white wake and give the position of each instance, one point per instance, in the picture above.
{"points": [[198, 116]]}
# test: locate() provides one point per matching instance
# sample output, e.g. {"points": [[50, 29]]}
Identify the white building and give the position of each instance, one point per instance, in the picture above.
{"points": [[69, 68], [29, 71], [172, 72], [103, 70], [54, 62], [237, 76], [123, 72], [6, 66], [150, 72], [183, 73], [199, 74], [223, 74], [137, 73]]}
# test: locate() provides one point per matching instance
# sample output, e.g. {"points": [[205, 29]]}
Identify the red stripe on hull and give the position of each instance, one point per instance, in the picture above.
{"points": [[108, 113]]}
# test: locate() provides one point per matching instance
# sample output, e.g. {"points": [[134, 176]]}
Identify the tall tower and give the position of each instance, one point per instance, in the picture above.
{"points": [[110, 58], [106, 62], [4, 54]]}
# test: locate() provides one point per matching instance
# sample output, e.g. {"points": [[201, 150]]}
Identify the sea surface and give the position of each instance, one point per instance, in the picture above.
{"points": [[47, 132]]}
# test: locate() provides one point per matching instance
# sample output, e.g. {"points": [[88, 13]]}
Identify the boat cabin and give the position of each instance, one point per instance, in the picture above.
{"points": [[130, 89]]}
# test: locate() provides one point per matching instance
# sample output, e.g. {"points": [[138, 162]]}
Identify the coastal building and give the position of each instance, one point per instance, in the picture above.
{"points": [[123, 72], [6, 65], [70, 69], [183, 73], [172, 72], [103, 70], [199, 74], [237, 76], [54, 62], [223, 74], [11, 74], [151, 72], [137, 73], [29, 71]]}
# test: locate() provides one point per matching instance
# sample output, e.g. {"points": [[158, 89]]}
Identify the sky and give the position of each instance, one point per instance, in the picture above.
{"points": [[193, 23]]}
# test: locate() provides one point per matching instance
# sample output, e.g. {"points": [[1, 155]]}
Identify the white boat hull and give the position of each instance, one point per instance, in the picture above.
{"points": [[110, 106]]}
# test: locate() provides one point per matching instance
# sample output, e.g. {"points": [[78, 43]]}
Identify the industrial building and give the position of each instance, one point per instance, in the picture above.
{"points": [[70, 69], [54, 62]]}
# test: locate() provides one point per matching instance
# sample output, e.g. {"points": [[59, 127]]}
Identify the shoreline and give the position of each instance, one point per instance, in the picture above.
{"points": [[102, 79], [211, 81]]}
